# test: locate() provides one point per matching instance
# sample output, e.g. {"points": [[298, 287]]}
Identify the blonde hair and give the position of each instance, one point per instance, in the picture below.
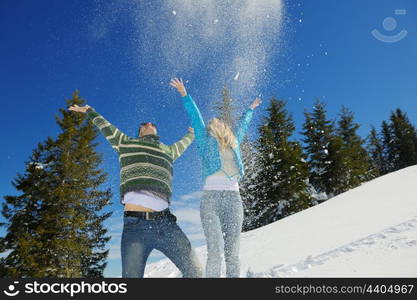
{"points": [[222, 133]]}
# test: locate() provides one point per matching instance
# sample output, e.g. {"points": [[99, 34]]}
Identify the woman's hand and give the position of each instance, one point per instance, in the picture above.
{"points": [[255, 103], [77, 108], [179, 85]]}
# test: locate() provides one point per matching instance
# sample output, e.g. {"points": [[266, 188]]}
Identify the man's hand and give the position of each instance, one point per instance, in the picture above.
{"points": [[191, 130], [77, 108], [179, 85], [255, 103]]}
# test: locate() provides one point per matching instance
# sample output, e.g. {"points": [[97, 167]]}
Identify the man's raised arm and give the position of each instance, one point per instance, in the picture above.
{"points": [[178, 148], [113, 135]]}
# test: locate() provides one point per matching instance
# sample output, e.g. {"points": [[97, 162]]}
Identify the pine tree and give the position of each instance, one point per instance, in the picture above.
{"points": [[357, 163], [399, 142], [24, 239], [404, 140], [388, 145], [336, 169], [55, 227], [248, 185], [318, 132], [225, 108], [376, 152], [282, 181], [80, 163]]}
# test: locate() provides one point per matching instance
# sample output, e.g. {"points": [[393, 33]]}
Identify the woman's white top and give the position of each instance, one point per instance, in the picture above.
{"points": [[145, 199], [227, 179]]}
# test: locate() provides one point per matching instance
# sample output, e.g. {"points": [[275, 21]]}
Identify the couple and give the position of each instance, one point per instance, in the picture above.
{"points": [[146, 170]]}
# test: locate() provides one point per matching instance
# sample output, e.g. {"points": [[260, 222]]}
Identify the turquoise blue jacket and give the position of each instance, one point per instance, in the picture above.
{"points": [[207, 145]]}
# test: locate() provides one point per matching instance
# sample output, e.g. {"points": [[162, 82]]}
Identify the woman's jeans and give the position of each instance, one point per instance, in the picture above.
{"points": [[141, 236], [222, 216]]}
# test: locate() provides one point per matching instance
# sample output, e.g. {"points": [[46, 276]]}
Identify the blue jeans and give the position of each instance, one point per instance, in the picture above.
{"points": [[140, 237], [222, 216]]}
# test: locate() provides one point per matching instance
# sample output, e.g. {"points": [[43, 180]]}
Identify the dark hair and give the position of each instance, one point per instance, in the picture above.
{"points": [[143, 124]]}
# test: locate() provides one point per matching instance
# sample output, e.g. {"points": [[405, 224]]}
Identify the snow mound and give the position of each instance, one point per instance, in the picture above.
{"points": [[369, 231]]}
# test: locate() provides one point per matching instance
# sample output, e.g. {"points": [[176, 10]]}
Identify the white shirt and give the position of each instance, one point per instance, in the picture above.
{"points": [[145, 199], [221, 183]]}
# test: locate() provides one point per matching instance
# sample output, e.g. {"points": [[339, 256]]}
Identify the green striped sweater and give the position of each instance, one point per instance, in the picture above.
{"points": [[145, 162]]}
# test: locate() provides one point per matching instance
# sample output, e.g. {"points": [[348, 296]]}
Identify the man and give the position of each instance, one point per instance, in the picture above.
{"points": [[145, 189]]}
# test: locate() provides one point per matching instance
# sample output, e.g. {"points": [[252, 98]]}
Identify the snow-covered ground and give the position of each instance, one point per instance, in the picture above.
{"points": [[369, 231]]}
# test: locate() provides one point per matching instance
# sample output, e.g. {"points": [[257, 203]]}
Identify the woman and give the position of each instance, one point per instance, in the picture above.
{"points": [[221, 205]]}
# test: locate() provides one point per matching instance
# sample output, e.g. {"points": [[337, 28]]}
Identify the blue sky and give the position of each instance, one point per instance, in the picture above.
{"points": [[122, 54]]}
